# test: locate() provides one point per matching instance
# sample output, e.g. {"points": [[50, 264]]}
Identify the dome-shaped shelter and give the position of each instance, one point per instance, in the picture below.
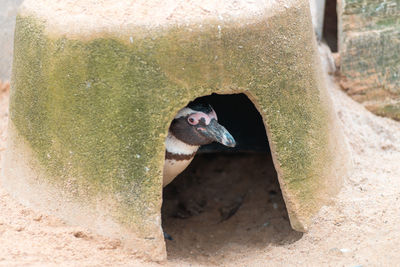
{"points": [[95, 87]]}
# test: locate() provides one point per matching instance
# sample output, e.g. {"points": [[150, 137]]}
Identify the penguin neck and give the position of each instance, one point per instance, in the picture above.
{"points": [[177, 149]]}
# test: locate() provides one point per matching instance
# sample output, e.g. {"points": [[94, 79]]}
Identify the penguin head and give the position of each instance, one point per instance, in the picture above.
{"points": [[197, 124]]}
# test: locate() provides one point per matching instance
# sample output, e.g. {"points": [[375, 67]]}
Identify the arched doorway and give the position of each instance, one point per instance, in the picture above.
{"points": [[227, 200]]}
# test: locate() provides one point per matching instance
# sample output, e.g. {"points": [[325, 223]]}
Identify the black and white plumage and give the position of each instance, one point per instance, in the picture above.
{"points": [[193, 126]]}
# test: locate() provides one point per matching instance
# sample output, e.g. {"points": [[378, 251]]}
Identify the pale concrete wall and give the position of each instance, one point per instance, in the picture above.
{"points": [[8, 11]]}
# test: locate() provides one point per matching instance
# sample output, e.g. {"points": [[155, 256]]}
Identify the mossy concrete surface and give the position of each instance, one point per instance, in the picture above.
{"points": [[88, 117]]}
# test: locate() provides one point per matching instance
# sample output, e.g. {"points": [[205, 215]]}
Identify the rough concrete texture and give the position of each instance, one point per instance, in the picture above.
{"points": [[90, 107], [8, 11], [369, 44]]}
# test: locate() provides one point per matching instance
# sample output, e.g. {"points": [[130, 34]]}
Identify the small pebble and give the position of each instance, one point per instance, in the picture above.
{"points": [[80, 234], [344, 250], [38, 218], [19, 228]]}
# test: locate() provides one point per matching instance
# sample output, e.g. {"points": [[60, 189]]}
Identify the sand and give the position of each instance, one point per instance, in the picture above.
{"points": [[360, 229]]}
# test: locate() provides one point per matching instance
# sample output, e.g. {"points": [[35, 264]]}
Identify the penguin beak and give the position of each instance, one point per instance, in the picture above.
{"points": [[218, 133]]}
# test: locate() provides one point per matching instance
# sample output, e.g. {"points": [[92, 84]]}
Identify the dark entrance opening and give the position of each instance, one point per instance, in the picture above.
{"points": [[228, 201], [330, 30]]}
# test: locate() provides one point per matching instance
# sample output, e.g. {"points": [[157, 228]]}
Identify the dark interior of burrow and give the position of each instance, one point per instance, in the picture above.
{"points": [[330, 27], [227, 200]]}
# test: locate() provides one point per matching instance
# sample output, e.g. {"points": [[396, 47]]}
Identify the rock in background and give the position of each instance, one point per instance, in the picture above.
{"points": [[369, 46]]}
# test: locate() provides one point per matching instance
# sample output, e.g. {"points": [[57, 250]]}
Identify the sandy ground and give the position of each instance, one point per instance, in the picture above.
{"points": [[224, 206], [244, 223]]}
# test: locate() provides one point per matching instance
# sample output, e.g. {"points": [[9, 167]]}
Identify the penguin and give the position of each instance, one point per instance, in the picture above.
{"points": [[193, 126]]}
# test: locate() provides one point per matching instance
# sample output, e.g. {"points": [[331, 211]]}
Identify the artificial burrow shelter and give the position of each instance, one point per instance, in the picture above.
{"points": [[95, 87]]}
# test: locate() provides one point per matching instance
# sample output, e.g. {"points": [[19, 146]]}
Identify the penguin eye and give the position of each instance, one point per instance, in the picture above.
{"points": [[192, 121]]}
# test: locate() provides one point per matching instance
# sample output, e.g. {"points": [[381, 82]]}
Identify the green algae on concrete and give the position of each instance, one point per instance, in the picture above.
{"points": [[94, 113]]}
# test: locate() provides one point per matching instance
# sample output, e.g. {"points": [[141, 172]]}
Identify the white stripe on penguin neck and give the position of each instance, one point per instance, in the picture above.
{"points": [[175, 146]]}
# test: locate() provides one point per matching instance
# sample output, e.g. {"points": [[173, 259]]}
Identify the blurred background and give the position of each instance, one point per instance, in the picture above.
{"points": [[8, 11]]}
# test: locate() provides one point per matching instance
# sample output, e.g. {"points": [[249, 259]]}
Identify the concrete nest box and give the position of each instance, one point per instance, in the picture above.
{"points": [[95, 87]]}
